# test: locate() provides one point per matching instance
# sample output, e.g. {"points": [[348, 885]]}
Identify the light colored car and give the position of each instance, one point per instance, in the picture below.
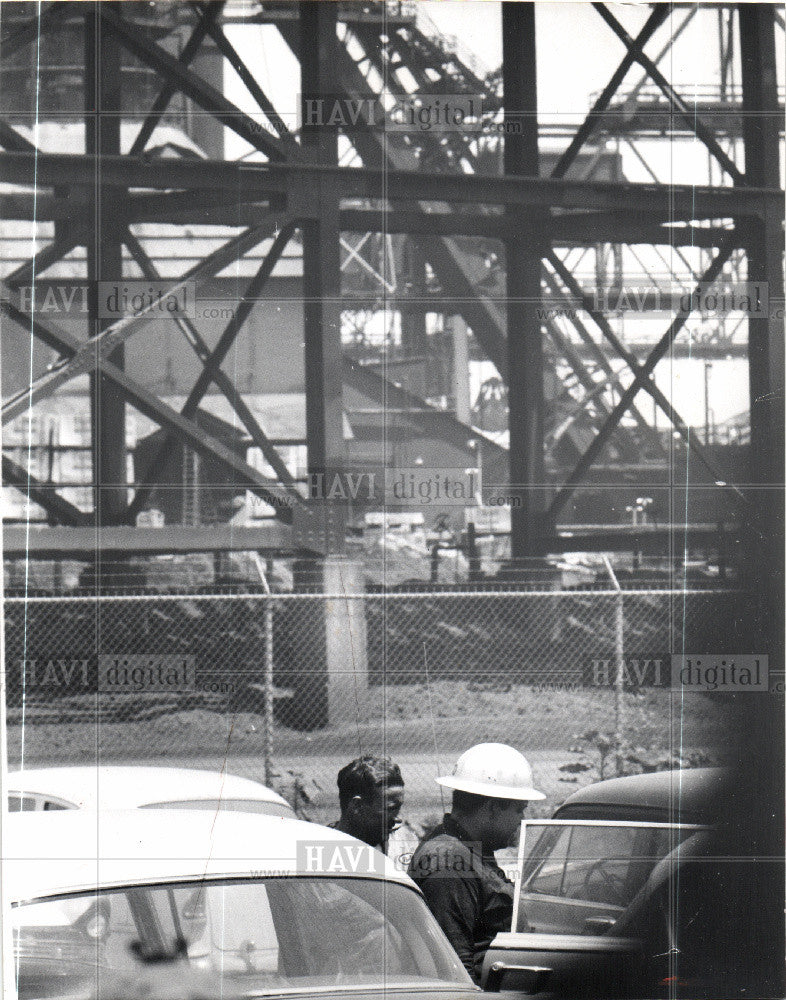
{"points": [[219, 904], [121, 787]]}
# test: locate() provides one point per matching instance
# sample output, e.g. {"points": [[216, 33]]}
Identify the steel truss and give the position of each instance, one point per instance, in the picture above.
{"points": [[95, 200]]}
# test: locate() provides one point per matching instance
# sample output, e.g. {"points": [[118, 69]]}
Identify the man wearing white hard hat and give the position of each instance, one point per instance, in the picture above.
{"points": [[454, 866]]}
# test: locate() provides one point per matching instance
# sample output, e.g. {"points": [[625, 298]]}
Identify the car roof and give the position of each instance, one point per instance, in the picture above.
{"points": [[129, 787], [686, 795], [65, 851]]}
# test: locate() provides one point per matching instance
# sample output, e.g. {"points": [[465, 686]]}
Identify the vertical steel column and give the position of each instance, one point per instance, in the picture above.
{"points": [[104, 262], [321, 265], [760, 722], [524, 253], [760, 132], [413, 316], [761, 128]]}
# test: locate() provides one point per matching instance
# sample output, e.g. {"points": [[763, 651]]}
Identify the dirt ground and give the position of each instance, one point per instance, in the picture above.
{"points": [[423, 729]]}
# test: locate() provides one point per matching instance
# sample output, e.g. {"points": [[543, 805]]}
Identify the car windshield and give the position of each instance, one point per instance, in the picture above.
{"points": [[252, 936]]}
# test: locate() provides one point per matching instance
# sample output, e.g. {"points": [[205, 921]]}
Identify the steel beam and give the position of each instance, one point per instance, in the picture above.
{"points": [[686, 112], [206, 16], [322, 265], [102, 110], [648, 384], [593, 389], [762, 120], [44, 494], [151, 406], [668, 47], [596, 354], [591, 122], [651, 539], [212, 364], [193, 86], [628, 447], [297, 183], [591, 228], [206, 208], [641, 378], [523, 253], [359, 220], [13, 140], [43, 21], [216, 32], [220, 378], [91, 354], [73, 543], [482, 313], [44, 259]]}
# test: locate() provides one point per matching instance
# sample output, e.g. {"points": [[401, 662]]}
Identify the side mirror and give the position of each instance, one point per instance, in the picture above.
{"points": [[526, 978]]}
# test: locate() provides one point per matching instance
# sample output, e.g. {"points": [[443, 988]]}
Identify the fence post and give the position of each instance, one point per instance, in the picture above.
{"points": [[619, 660], [268, 689], [268, 676]]}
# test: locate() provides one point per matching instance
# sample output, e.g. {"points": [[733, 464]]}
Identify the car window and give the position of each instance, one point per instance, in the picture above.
{"points": [[21, 803], [597, 864], [575, 871], [255, 935], [547, 862], [18, 802]]}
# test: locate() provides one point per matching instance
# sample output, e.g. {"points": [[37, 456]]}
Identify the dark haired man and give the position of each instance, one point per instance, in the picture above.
{"points": [[454, 866], [370, 795]]}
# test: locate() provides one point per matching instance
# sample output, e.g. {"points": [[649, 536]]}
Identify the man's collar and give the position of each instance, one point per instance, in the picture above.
{"points": [[341, 826], [453, 828]]}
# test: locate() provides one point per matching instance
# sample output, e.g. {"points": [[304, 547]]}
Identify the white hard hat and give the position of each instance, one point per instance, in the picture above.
{"points": [[493, 769]]}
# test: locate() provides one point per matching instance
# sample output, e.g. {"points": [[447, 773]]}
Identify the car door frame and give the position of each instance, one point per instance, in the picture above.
{"points": [[521, 958]]}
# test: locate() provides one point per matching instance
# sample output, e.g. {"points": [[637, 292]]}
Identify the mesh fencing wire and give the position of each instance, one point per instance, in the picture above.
{"points": [[287, 687]]}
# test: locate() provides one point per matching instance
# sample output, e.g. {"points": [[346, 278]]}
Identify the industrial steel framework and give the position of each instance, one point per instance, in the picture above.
{"points": [[390, 184]]}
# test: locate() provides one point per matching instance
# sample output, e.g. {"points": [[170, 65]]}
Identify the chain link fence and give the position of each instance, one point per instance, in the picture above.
{"points": [[287, 687]]}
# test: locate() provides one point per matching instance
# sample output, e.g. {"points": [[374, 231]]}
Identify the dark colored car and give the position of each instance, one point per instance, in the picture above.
{"points": [[687, 796], [605, 892]]}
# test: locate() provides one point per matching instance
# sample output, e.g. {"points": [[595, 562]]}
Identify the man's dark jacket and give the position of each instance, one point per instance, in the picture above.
{"points": [[465, 889]]}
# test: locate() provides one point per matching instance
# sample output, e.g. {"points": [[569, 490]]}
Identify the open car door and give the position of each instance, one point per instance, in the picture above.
{"points": [[564, 965], [577, 883]]}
